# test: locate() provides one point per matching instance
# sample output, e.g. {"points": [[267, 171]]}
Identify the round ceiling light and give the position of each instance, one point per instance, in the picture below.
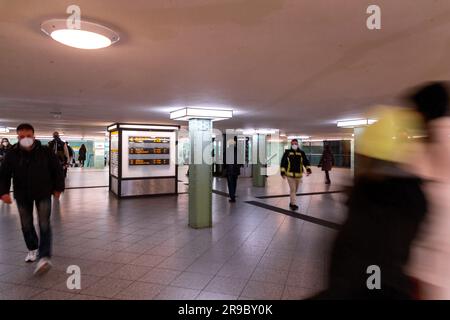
{"points": [[89, 36]]}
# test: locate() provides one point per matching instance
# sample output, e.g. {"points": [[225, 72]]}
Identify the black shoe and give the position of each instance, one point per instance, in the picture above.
{"points": [[232, 200], [293, 207], [328, 182]]}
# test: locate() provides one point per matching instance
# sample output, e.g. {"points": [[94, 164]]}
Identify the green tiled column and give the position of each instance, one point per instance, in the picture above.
{"points": [[259, 160], [200, 174]]}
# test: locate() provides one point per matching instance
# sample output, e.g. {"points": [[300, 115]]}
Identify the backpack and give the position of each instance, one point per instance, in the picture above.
{"points": [[57, 146]]}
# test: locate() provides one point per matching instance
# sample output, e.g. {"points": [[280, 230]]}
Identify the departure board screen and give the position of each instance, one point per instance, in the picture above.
{"points": [[148, 151]]}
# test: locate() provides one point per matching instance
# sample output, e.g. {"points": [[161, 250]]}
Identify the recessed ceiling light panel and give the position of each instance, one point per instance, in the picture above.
{"points": [[89, 36]]}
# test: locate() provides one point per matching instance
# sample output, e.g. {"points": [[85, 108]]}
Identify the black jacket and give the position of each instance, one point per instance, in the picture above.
{"points": [[3, 151], [293, 162], [36, 174], [232, 167], [384, 215]]}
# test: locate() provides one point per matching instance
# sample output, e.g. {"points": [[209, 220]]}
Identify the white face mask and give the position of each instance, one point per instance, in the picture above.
{"points": [[26, 142], [294, 147]]}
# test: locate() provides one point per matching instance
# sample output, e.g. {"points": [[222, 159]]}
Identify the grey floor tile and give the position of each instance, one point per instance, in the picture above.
{"points": [[148, 260], [175, 293], [160, 276], [5, 268], [164, 251], [263, 290], [226, 285], [140, 291], [270, 275], [205, 267], [97, 255], [107, 287], [122, 257], [237, 271], [19, 292], [191, 280], [205, 295], [87, 297], [101, 269], [130, 272], [297, 293], [179, 264], [53, 295], [5, 286]]}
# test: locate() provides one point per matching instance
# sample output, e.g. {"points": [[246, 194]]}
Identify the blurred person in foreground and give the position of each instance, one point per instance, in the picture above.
{"points": [[430, 263], [385, 209], [37, 174]]}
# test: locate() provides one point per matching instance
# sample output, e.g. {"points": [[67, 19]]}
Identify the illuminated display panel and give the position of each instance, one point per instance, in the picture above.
{"points": [[148, 151]]}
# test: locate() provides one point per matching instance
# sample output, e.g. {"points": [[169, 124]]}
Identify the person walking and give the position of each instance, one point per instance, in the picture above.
{"points": [[233, 169], [37, 175], [5, 147], [59, 147], [82, 155], [292, 164], [430, 263], [71, 154], [386, 207], [327, 162]]}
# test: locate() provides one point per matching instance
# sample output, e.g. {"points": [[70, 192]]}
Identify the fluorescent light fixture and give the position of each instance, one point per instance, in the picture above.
{"points": [[142, 126], [4, 130], [327, 139], [89, 36], [200, 113], [259, 131], [299, 137], [355, 123], [139, 126]]}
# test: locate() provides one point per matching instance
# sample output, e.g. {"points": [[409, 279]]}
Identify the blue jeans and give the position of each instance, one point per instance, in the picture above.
{"points": [[44, 208]]}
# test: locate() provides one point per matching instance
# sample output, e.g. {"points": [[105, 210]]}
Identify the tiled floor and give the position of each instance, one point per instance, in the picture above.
{"points": [[143, 248]]}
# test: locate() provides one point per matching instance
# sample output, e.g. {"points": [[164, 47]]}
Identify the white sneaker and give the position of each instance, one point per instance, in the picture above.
{"points": [[43, 266], [31, 256]]}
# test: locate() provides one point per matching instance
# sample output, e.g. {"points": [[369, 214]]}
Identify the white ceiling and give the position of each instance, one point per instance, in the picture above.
{"points": [[297, 65]]}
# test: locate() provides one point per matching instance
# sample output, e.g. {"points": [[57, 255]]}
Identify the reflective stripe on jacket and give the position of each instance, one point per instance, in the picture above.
{"points": [[293, 162]]}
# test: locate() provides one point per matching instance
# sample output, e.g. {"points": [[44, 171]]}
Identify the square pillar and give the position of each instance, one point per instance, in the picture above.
{"points": [[200, 173]]}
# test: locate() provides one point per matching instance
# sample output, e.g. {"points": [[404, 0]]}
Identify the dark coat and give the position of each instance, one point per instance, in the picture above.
{"points": [[232, 166], [326, 161], [36, 174], [384, 215], [293, 162], [3, 151], [82, 154]]}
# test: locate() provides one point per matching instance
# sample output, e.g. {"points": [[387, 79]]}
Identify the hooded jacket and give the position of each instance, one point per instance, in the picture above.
{"points": [[36, 174]]}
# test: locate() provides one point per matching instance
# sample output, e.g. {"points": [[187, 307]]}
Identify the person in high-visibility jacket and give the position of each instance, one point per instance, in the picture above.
{"points": [[292, 163]]}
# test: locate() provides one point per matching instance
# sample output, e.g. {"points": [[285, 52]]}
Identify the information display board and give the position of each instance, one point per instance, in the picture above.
{"points": [[148, 151], [114, 160], [143, 160]]}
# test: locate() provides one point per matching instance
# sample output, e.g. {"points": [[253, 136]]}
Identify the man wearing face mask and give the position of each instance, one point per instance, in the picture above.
{"points": [[4, 149], [36, 174], [292, 163]]}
